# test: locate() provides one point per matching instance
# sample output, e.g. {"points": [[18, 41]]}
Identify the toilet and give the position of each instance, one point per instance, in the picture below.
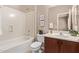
{"points": [[36, 46]]}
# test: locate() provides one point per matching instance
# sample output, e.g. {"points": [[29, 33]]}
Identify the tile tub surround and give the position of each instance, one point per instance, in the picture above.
{"points": [[63, 37], [16, 23]]}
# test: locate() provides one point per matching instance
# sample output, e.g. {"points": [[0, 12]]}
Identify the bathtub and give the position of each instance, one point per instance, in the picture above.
{"points": [[16, 45]]}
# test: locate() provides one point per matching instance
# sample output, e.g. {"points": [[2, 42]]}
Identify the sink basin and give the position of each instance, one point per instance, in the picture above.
{"points": [[61, 34]]}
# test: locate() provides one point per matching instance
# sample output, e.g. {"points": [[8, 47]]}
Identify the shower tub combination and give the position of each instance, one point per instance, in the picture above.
{"points": [[16, 45]]}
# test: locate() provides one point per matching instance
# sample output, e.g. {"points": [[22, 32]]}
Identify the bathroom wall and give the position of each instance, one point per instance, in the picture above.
{"points": [[53, 11], [78, 16], [31, 24], [42, 10], [0, 23], [14, 23], [50, 13]]}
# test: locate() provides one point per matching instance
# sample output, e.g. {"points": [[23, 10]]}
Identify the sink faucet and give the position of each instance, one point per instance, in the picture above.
{"points": [[61, 33]]}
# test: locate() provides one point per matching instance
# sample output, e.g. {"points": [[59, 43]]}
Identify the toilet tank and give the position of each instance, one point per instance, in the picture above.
{"points": [[40, 37]]}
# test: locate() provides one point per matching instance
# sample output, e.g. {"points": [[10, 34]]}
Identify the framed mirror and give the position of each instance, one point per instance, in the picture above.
{"points": [[62, 21], [68, 20]]}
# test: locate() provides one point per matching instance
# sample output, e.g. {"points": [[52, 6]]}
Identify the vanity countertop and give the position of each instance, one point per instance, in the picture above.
{"points": [[63, 37]]}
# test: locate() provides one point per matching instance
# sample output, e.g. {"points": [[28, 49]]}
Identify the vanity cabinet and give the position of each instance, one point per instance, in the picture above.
{"points": [[67, 47], [53, 45]]}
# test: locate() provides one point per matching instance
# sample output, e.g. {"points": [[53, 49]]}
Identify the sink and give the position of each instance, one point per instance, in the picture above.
{"points": [[61, 34]]}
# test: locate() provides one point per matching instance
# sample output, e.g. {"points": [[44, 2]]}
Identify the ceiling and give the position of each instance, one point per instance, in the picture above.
{"points": [[28, 8], [24, 8]]}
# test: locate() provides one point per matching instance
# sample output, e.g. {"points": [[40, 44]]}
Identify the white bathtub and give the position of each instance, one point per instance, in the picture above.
{"points": [[16, 45]]}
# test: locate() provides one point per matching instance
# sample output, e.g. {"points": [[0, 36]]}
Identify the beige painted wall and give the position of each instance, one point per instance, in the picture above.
{"points": [[31, 24], [42, 10], [78, 16], [52, 13]]}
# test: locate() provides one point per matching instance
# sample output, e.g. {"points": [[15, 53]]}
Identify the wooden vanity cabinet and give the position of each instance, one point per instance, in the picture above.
{"points": [[53, 45], [67, 47]]}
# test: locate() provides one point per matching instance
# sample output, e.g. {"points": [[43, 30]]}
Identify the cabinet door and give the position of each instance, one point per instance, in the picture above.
{"points": [[51, 45], [67, 47], [76, 47]]}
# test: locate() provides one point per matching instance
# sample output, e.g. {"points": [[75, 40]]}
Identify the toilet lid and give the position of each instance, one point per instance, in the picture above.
{"points": [[36, 44]]}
